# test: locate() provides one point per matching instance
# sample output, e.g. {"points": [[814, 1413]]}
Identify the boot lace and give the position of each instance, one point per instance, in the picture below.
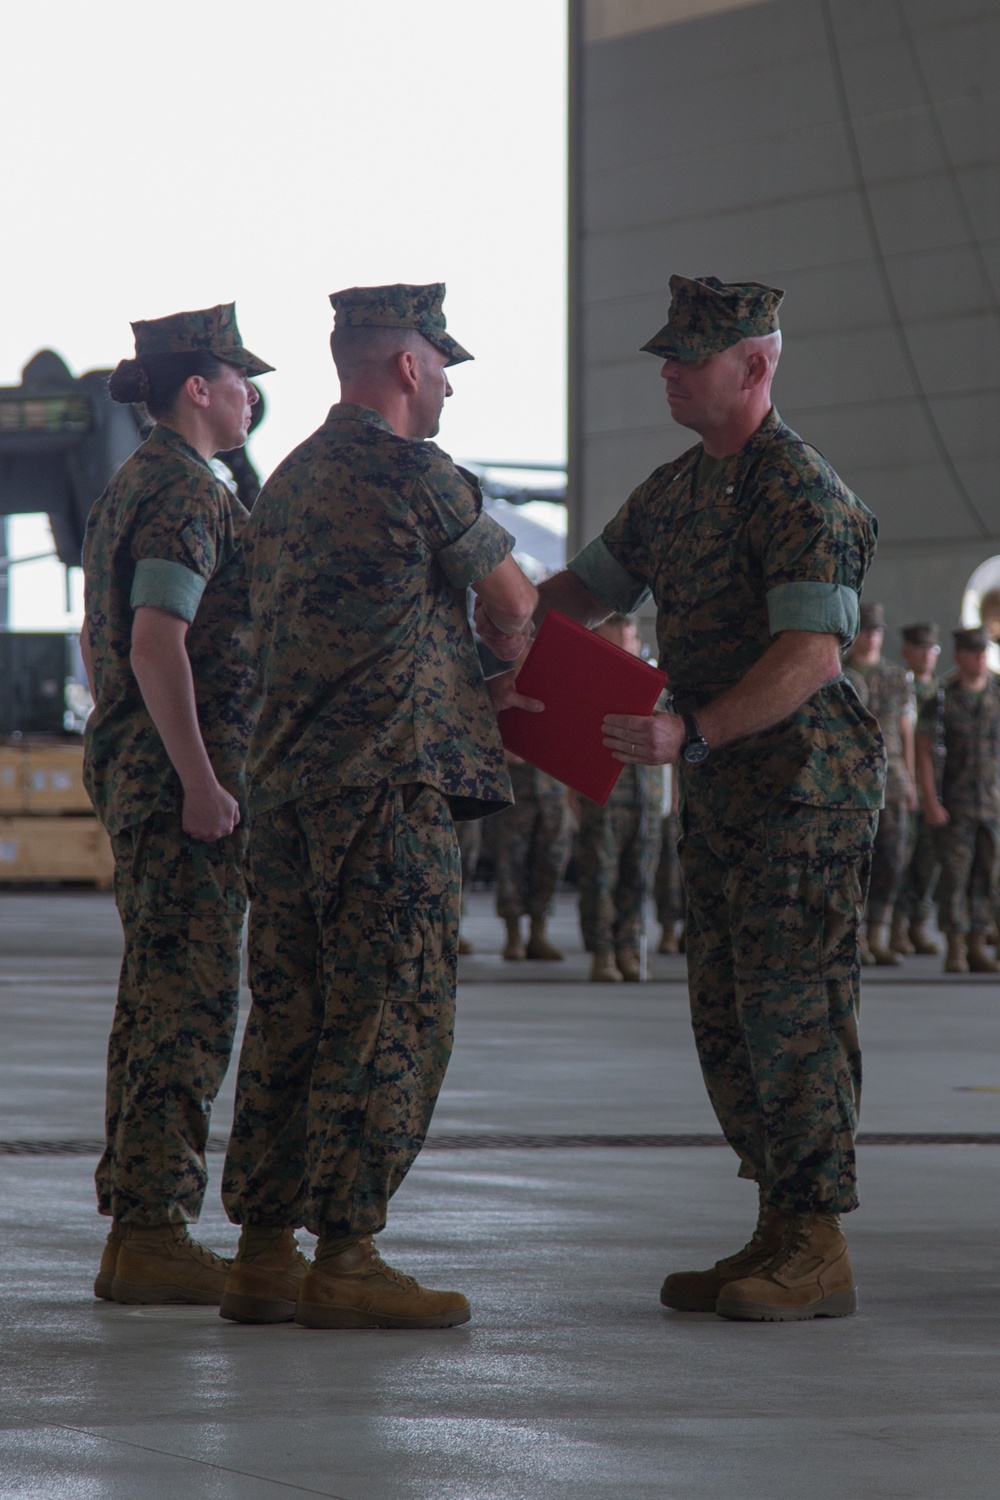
{"points": [[382, 1268], [201, 1254], [795, 1241]]}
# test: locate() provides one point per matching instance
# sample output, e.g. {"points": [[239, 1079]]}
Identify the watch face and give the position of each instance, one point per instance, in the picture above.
{"points": [[696, 751]]}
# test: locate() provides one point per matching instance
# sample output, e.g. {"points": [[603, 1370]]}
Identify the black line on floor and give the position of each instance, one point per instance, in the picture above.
{"points": [[504, 1141]]}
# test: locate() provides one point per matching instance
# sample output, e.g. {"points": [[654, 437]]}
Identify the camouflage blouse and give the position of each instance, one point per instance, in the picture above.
{"points": [[766, 540], [886, 689], [166, 515], [360, 550], [971, 731]]}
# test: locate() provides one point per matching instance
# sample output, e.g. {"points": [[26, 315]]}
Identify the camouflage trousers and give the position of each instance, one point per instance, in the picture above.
{"points": [[470, 844], [668, 884], [531, 842], [772, 950], [888, 860], [182, 903], [969, 850], [615, 865], [920, 876], [353, 956]]}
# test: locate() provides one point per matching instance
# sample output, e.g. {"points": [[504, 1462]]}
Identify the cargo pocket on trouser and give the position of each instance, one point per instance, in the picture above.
{"points": [[417, 1027], [187, 928], [798, 997]]}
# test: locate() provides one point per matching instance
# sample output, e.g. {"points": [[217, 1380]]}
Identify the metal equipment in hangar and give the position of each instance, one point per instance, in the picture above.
{"points": [[61, 439]]}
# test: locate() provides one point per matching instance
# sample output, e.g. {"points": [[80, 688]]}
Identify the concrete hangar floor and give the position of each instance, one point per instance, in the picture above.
{"points": [[573, 1161]]}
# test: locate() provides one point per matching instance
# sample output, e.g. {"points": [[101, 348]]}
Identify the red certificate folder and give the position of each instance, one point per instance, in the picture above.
{"points": [[580, 677]]}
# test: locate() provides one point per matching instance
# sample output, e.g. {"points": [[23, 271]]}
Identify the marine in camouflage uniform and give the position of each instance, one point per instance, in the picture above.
{"points": [[778, 822], [470, 845], [668, 885], [885, 689], [616, 853], [915, 902], [531, 846], [964, 718], [375, 731], [166, 535]]}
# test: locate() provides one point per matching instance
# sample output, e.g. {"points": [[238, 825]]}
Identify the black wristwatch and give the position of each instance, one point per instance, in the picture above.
{"points": [[695, 746]]}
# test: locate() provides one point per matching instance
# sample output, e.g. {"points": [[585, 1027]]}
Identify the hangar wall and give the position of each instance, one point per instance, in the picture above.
{"points": [[848, 151]]}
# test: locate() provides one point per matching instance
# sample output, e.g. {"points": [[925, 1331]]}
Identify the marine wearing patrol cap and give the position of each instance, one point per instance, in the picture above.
{"points": [[399, 306], [213, 329], [708, 315], [971, 640], [871, 617], [922, 634]]}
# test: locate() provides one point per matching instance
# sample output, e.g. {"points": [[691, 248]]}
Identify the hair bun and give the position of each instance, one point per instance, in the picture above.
{"points": [[129, 383]]}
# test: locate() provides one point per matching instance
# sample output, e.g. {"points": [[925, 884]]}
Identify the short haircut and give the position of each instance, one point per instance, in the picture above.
{"points": [[367, 351]]}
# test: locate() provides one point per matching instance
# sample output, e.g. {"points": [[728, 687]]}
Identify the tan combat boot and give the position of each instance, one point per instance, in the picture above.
{"points": [[604, 970], [810, 1277], [356, 1289], [166, 1265], [865, 954], [698, 1291], [539, 945], [922, 941], [264, 1286], [465, 948], [980, 961], [668, 941], [514, 947], [629, 966], [878, 946], [109, 1260], [956, 961], [900, 941]]}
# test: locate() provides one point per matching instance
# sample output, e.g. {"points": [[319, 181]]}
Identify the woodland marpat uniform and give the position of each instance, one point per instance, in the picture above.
{"points": [[531, 845], [969, 843], [617, 851], [887, 692], [167, 534], [376, 730], [776, 827]]}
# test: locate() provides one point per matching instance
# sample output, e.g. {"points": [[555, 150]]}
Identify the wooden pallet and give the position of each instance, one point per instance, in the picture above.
{"points": [[55, 848], [42, 775]]}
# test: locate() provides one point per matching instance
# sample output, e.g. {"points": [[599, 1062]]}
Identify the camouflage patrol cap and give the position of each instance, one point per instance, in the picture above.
{"points": [[708, 315], [920, 635], [399, 306], [872, 617], [211, 328], [971, 640]]}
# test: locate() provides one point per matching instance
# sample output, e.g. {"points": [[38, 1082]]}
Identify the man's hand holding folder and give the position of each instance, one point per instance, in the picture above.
{"points": [[580, 678]]}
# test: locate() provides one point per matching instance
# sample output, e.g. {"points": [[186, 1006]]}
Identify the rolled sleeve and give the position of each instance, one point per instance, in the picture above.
{"points": [[476, 552], [159, 584], [826, 608], [604, 577]]}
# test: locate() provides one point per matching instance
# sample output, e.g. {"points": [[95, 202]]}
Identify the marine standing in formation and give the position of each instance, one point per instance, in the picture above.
{"points": [[915, 902], [755, 553], [885, 689], [959, 727], [167, 644], [376, 730], [616, 854], [531, 845]]}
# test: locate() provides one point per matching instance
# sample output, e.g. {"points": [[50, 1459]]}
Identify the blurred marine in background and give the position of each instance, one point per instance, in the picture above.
{"points": [[887, 692]]}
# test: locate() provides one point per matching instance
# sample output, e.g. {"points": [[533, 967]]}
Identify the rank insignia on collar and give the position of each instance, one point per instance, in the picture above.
{"points": [[730, 488]]}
